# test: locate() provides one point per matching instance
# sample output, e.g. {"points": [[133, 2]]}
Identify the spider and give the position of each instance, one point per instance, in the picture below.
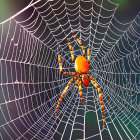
{"points": [[81, 75]]}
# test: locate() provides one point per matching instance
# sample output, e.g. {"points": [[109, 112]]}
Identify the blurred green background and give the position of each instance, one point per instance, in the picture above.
{"points": [[10, 7]]}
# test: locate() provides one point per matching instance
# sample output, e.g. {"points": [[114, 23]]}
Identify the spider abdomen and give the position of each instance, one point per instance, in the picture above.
{"points": [[85, 80], [81, 65]]}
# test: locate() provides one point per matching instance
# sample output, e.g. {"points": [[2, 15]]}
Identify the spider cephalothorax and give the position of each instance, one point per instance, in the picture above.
{"points": [[81, 77]]}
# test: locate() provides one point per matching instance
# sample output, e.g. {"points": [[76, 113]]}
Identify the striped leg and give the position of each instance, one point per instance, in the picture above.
{"points": [[80, 91], [62, 95], [79, 41], [69, 73], [88, 54], [76, 84], [61, 69], [101, 100], [70, 47], [60, 64]]}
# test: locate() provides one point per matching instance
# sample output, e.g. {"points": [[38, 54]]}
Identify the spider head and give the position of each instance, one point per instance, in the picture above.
{"points": [[81, 65]]}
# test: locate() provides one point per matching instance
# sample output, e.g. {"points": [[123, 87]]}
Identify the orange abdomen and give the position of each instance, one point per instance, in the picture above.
{"points": [[81, 65]]}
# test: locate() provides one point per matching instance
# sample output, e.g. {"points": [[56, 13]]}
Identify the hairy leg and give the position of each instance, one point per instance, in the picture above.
{"points": [[100, 97], [88, 54], [80, 91], [76, 83], [79, 41], [62, 95], [69, 73], [61, 69], [70, 47]]}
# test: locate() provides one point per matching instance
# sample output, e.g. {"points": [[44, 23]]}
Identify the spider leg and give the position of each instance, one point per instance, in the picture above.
{"points": [[80, 91], [88, 54], [69, 73], [79, 41], [70, 47], [62, 95], [100, 97], [77, 82], [60, 64], [61, 69]]}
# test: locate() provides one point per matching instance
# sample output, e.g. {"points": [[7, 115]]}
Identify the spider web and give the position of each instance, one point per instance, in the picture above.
{"points": [[31, 84]]}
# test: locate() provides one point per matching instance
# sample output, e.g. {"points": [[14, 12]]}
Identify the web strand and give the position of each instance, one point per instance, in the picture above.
{"points": [[31, 83]]}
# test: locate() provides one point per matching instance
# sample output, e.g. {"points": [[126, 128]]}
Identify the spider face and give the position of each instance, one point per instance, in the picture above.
{"points": [[82, 68], [81, 65]]}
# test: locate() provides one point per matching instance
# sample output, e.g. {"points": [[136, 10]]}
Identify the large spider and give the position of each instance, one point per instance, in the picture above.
{"points": [[82, 69]]}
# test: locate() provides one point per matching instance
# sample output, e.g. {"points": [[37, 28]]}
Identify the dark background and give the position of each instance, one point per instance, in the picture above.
{"points": [[126, 11]]}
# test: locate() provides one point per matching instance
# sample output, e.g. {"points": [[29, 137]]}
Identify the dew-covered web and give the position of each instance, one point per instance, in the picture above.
{"points": [[31, 83]]}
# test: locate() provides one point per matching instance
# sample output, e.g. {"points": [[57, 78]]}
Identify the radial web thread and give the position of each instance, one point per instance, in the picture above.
{"points": [[31, 83]]}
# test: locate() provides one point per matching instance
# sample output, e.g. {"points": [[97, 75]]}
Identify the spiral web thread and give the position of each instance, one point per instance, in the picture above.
{"points": [[31, 84]]}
